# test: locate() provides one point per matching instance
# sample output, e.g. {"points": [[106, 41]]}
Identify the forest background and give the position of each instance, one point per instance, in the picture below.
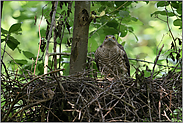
{"points": [[142, 36], [144, 28]]}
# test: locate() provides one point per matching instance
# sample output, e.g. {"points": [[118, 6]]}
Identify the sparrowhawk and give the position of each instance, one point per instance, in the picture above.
{"points": [[112, 59]]}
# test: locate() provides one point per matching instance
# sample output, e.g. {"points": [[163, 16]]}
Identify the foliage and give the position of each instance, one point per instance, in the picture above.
{"points": [[139, 26], [113, 18]]}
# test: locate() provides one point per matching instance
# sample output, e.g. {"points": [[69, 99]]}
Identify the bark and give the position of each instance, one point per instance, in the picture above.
{"points": [[1, 8], [80, 36]]}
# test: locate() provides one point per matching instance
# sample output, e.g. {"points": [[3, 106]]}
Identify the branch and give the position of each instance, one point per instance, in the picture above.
{"points": [[98, 29], [28, 106], [49, 37], [16, 99], [68, 54], [155, 62], [39, 40], [16, 64]]}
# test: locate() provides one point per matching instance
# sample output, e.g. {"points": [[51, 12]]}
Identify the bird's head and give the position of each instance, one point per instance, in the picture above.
{"points": [[110, 41]]}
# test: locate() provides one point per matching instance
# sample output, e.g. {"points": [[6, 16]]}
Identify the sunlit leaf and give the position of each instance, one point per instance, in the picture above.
{"points": [[102, 13], [147, 73], [15, 27]]}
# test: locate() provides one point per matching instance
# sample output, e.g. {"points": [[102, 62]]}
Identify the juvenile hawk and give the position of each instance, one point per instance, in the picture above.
{"points": [[112, 59]]}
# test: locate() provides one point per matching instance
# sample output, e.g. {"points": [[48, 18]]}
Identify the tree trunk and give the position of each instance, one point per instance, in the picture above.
{"points": [[80, 37], [1, 8]]}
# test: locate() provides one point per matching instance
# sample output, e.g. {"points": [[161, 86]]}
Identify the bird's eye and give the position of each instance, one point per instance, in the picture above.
{"points": [[106, 37], [113, 37]]}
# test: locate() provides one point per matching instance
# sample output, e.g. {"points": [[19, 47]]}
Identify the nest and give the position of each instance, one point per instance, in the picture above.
{"points": [[85, 98]]}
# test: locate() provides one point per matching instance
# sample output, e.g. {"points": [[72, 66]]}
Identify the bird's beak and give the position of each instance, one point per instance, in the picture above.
{"points": [[110, 38]]}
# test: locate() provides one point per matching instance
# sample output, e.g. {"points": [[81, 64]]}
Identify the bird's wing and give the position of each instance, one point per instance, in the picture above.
{"points": [[126, 59]]}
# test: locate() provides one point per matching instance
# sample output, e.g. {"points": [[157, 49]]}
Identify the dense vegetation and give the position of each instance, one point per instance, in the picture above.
{"points": [[151, 33]]}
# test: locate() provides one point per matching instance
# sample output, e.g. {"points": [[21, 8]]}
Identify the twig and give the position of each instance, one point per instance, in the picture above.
{"points": [[39, 41], [16, 99], [42, 76], [16, 64], [59, 84], [28, 106], [111, 94], [2, 63], [103, 118], [68, 54], [117, 101], [159, 107], [155, 62], [150, 84], [49, 37], [97, 29], [118, 7], [166, 115], [170, 29], [4, 47]]}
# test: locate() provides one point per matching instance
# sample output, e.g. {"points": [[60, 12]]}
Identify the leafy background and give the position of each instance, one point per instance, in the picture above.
{"points": [[141, 34]]}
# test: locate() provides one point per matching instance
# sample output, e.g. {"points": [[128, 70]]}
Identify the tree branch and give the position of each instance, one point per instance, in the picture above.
{"points": [[49, 37]]}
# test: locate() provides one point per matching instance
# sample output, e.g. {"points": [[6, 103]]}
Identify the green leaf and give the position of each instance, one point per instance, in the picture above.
{"points": [[15, 27], [162, 3], [110, 31], [20, 62], [130, 29], [29, 55], [4, 31], [134, 19], [112, 23], [147, 73], [12, 42], [19, 50], [23, 17], [174, 4], [177, 22], [123, 30], [179, 10], [41, 68], [123, 13]]}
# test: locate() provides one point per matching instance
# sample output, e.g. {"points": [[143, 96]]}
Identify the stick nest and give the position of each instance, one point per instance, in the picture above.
{"points": [[83, 98]]}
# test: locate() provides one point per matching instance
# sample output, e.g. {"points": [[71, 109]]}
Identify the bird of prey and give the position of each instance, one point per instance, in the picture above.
{"points": [[111, 58]]}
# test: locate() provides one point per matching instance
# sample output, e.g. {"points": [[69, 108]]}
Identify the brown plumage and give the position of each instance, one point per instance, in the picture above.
{"points": [[112, 59]]}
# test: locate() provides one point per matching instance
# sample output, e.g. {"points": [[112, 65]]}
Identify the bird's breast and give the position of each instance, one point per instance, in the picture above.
{"points": [[111, 55]]}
